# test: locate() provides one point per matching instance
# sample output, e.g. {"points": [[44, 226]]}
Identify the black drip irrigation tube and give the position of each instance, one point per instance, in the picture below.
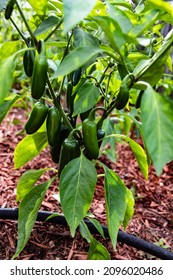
{"points": [[128, 239]]}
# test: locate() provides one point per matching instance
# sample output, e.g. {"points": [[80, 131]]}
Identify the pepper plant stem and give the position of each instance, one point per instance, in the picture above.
{"points": [[58, 105], [26, 24]]}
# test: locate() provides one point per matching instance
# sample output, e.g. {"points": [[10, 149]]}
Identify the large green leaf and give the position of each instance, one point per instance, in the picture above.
{"points": [[46, 25], [75, 59], [144, 21], [39, 6], [77, 184], [119, 205], [139, 154], [157, 127], [27, 181], [28, 210], [137, 150], [163, 6], [109, 128], [7, 104], [7, 68], [86, 98], [84, 39], [121, 18], [147, 67], [130, 208], [9, 48], [97, 251], [113, 33], [75, 11], [29, 147]]}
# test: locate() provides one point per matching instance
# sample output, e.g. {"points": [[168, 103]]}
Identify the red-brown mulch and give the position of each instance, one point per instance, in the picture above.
{"points": [[152, 221]]}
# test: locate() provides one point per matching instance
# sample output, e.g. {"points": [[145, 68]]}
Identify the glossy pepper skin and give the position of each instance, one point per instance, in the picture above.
{"points": [[9, 9], [37, 117], [89, 130], [28, 63], [138, 100], [53, 125], [100, 135], [123, 95], [70, 149], [39, 77], [56, 148], [70, 98], [76, 76]]}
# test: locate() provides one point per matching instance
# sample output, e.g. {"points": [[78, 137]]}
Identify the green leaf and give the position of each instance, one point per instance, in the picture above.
{"points": [[147, 67], [163, 6], [29, 147], [97, 251], [113, 33], [84, 231], [39, 6], [75, 59], [157, 127], [144, 21], [121, 18], [115, 197], [84, 39], [28, 211], [9, 48], [139, 154], [117, 200], [7, 104], [7, 68], [86, 98], [98, 226], [27, 181], [108, 127], [75, 11], [77, 184], [46, 25], [130, 208]]}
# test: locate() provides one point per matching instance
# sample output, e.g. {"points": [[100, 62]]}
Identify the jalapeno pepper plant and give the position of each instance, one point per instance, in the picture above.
{"points": [[88, 80]]}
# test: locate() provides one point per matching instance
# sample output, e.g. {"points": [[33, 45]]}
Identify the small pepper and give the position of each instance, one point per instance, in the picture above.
{"points": [[53, 125], [28, 63], [9, 9], [56, 148], [39, 77], [76, 76], [37, 117], [123, 95], [89, 129], [70, 149]]}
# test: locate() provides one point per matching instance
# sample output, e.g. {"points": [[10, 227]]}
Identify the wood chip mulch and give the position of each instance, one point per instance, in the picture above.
{"points": [[152, 221]]}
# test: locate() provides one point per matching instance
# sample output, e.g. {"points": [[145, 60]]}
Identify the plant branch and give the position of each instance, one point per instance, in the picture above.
{"points": [[26, 24], [18, 30], [58, 105], [56, 27]]}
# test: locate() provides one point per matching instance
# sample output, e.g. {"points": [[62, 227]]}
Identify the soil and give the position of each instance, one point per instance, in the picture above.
{"points": [[152, 221]]}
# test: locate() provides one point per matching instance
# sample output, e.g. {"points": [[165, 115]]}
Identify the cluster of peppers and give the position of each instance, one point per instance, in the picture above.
{"points": [[65, 145]]}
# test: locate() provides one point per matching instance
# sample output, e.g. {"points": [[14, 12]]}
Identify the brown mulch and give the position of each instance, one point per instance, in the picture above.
{"points": [[152, 221]]}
